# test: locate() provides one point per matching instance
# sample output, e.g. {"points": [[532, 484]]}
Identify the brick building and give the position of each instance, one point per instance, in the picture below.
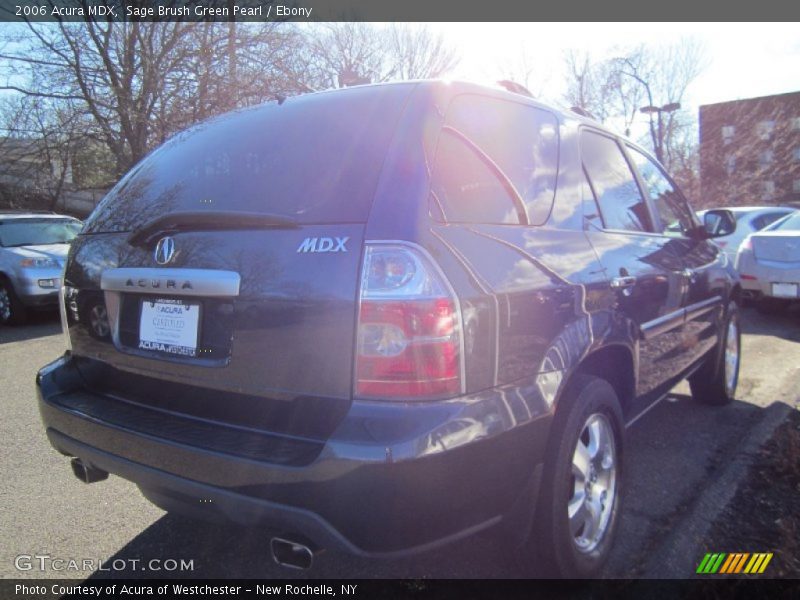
{"points": [[750, 151]]}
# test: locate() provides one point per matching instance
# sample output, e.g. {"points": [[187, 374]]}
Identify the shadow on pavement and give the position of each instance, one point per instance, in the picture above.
{"points": [[784, 323], [39, 324]]}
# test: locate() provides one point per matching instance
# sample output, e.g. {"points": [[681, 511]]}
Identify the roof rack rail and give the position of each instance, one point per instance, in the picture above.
{"points": [[516, 88], [582, 112]]}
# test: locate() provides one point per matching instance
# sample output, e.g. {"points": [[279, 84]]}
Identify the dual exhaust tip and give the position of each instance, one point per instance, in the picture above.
{"points": [[285, 552]]}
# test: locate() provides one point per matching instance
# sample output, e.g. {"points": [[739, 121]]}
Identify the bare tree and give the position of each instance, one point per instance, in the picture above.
{"points": [[41, 138], [659, 76], [616, 89], [140, 82], [527, 71], [341, 54], [418, 53], [588, 84]]}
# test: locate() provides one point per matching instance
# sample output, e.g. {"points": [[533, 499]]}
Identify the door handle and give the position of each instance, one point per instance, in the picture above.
{"points": [[627, 281]]}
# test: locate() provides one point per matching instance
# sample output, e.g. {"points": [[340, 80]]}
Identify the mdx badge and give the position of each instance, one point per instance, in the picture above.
{"points": [[165, 250], [323, 244]]}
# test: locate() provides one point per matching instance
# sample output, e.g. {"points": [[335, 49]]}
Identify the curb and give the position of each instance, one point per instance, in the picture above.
{"points": [[680, 551]]}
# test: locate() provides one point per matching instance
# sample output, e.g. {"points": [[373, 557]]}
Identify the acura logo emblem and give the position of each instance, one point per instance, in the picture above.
{"points": [[165, 250]]}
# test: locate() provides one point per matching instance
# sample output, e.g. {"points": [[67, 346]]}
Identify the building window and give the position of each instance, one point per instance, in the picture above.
{"points": [[764, 129], [769, 189], [727, 133], [765, 158], [730, 164], [796, 185]]}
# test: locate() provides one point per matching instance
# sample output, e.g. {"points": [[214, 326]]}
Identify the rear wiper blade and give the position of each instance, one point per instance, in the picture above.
{"points": [[207, 221]]}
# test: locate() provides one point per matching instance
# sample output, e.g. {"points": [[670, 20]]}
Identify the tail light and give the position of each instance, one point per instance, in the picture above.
{"points": [[408, 344]]}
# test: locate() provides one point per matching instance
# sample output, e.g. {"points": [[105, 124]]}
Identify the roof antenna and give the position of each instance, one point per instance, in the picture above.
{"points": [[513, 86]]}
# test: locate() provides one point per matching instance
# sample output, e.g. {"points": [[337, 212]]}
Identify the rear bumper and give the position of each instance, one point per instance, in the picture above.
{"points": [[766, 273], [384, 496]]}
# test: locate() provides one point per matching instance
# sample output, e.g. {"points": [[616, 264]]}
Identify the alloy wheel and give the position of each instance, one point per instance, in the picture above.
{"points": [[5, 304], [594, 483], [731, 356]]}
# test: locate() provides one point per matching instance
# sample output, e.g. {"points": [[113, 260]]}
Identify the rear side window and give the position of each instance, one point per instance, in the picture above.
{"points": [[314, 159], [618, 197], [521, 141], [467, 188], [673, 211]]}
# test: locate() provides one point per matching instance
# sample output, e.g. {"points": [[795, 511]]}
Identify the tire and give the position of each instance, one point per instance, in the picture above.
{"points": [[12, 311], [588, 412], [715, 382]]}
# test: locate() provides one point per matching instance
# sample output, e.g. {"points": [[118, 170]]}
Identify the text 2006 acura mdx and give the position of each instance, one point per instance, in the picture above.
{"points": [[385, 318]]}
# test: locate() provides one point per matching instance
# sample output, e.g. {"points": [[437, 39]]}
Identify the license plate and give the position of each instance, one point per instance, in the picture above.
{"points": [[784, 290], [169, 326]]}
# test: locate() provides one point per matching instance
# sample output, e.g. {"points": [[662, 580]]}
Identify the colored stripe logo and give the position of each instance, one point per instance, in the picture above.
{"points": [[734, 563]]}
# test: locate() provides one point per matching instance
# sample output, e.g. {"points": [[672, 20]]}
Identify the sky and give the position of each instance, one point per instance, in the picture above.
{"points": [[743, 60]]}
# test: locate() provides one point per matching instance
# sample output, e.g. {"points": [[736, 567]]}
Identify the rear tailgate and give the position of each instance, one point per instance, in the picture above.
{"points": [[285, 329], [260, 304]]}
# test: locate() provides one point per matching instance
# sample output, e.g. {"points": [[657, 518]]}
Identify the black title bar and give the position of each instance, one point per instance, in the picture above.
{"points": [[394, 10]]}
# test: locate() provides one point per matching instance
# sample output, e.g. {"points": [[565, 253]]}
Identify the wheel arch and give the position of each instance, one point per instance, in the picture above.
{"points": [[613, 363]]}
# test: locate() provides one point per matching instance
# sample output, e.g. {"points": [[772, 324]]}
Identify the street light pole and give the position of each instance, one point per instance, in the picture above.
{"points": [[658, 140]]}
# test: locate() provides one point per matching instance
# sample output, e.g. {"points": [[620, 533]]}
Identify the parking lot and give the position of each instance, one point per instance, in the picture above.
{"points": [[674, 453]]}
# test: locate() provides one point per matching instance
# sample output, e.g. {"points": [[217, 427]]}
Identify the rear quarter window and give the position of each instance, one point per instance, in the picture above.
{"points": [[519, 146]]}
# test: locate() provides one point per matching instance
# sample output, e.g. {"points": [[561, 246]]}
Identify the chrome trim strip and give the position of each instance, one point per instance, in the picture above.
{"points": [[698, 309], [173, 282], [655, 403], [662, 324]]}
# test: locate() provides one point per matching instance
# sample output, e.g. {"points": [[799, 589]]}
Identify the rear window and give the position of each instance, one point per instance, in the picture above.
{"points": [[791, 223], [314, 159]]}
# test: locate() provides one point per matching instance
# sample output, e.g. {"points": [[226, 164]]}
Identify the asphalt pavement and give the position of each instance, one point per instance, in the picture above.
{"points": [[675, 454]]}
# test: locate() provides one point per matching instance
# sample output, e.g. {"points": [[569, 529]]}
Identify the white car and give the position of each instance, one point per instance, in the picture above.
{"points": [[769, 263], [749, 219]]}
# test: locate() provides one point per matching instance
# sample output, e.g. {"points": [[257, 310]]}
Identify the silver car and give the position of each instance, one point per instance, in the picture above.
{"points": [[769, 262], [33, 249], [749, 219]]}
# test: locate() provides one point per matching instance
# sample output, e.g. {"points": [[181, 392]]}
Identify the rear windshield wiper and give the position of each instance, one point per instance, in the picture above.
{"points": [[207, 221]]}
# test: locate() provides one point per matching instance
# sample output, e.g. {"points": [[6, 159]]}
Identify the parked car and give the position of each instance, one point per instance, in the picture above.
{"points": [[33, 248], [385, 318], [749, 219], [769, 263]]}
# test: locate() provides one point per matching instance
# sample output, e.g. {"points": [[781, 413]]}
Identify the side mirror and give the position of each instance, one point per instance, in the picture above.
{"points": [[719, 222]]}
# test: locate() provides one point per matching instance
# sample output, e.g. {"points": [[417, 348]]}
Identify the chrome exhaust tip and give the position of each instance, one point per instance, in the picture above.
{"points": [[292, 554], [87, 473]]}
